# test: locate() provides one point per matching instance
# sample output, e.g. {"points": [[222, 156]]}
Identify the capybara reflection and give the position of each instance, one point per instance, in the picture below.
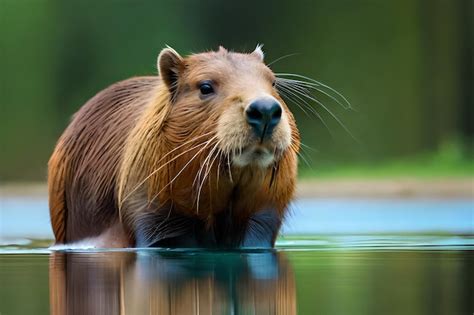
{"points": [[173, 283]]}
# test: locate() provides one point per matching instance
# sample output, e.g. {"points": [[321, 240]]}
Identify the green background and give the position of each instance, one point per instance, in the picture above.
{"points": [[406, 67]]}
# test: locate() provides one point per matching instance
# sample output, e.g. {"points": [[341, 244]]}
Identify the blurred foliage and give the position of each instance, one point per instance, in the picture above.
{"points": [[406, 67], [449, 161]]}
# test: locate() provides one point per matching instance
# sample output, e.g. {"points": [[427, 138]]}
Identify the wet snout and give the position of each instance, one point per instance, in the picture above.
{"points": [[263, 114]]}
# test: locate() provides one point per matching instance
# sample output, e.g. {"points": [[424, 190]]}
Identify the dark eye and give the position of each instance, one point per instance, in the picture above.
{"points": [[274, 83], [206, 88]]}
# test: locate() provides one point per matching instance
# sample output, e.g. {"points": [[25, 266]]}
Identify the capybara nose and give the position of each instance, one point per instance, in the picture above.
{"points": [[263, 115]]}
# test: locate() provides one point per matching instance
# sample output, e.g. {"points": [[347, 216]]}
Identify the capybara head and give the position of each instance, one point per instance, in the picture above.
{"points": [[216, 129], [230, 97]]}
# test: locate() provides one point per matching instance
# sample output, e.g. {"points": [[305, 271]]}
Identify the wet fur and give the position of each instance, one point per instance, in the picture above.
{"points": [[133, 155]]}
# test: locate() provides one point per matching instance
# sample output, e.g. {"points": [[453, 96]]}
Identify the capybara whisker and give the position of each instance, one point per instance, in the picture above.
{"points": [[309, 97], [199, 173], [332, 114], [294, 92], [317, 83], [290, 89], [229, 169], [304, 159], [304, 86], [287, 92], [281, 58], [184, 167], [208, 168], [163, 165]]}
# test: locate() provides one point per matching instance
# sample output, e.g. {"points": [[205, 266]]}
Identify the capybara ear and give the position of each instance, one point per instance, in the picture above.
{"points": [[259, 52], [169, 66]]}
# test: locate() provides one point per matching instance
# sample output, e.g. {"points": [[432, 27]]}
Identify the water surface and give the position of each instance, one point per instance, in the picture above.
{"points": [[334, 257], [269, 282]]}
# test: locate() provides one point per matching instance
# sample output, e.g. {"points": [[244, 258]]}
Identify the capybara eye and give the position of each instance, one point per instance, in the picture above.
{"points": [[206, 88]]}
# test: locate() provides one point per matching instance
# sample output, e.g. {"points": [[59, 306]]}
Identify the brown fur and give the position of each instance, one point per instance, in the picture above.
{"points": [[151, 144]]}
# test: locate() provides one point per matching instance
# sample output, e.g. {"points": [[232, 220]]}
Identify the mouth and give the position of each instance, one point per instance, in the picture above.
{"points": [[258, 155]]}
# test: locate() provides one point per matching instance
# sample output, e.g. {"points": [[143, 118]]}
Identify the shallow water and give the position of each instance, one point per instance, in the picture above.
{"points": [[335, 257], [342, 281]]}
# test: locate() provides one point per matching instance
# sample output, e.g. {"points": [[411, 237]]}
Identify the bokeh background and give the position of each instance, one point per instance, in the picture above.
{"points": [[406, 66]]}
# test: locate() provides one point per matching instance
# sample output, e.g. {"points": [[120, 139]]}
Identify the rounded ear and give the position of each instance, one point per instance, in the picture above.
{"points": [[259, 52], [169, 66]]}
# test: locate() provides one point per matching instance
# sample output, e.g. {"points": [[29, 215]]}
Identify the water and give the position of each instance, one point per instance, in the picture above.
{"points": [[334, 257]]}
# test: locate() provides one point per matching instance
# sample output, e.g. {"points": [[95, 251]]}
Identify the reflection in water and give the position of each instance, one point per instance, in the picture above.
{"points": [[154, 282], [423, 281]]}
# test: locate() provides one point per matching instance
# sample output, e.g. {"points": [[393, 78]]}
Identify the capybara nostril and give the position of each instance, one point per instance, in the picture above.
{"points": [[263, 115]]}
